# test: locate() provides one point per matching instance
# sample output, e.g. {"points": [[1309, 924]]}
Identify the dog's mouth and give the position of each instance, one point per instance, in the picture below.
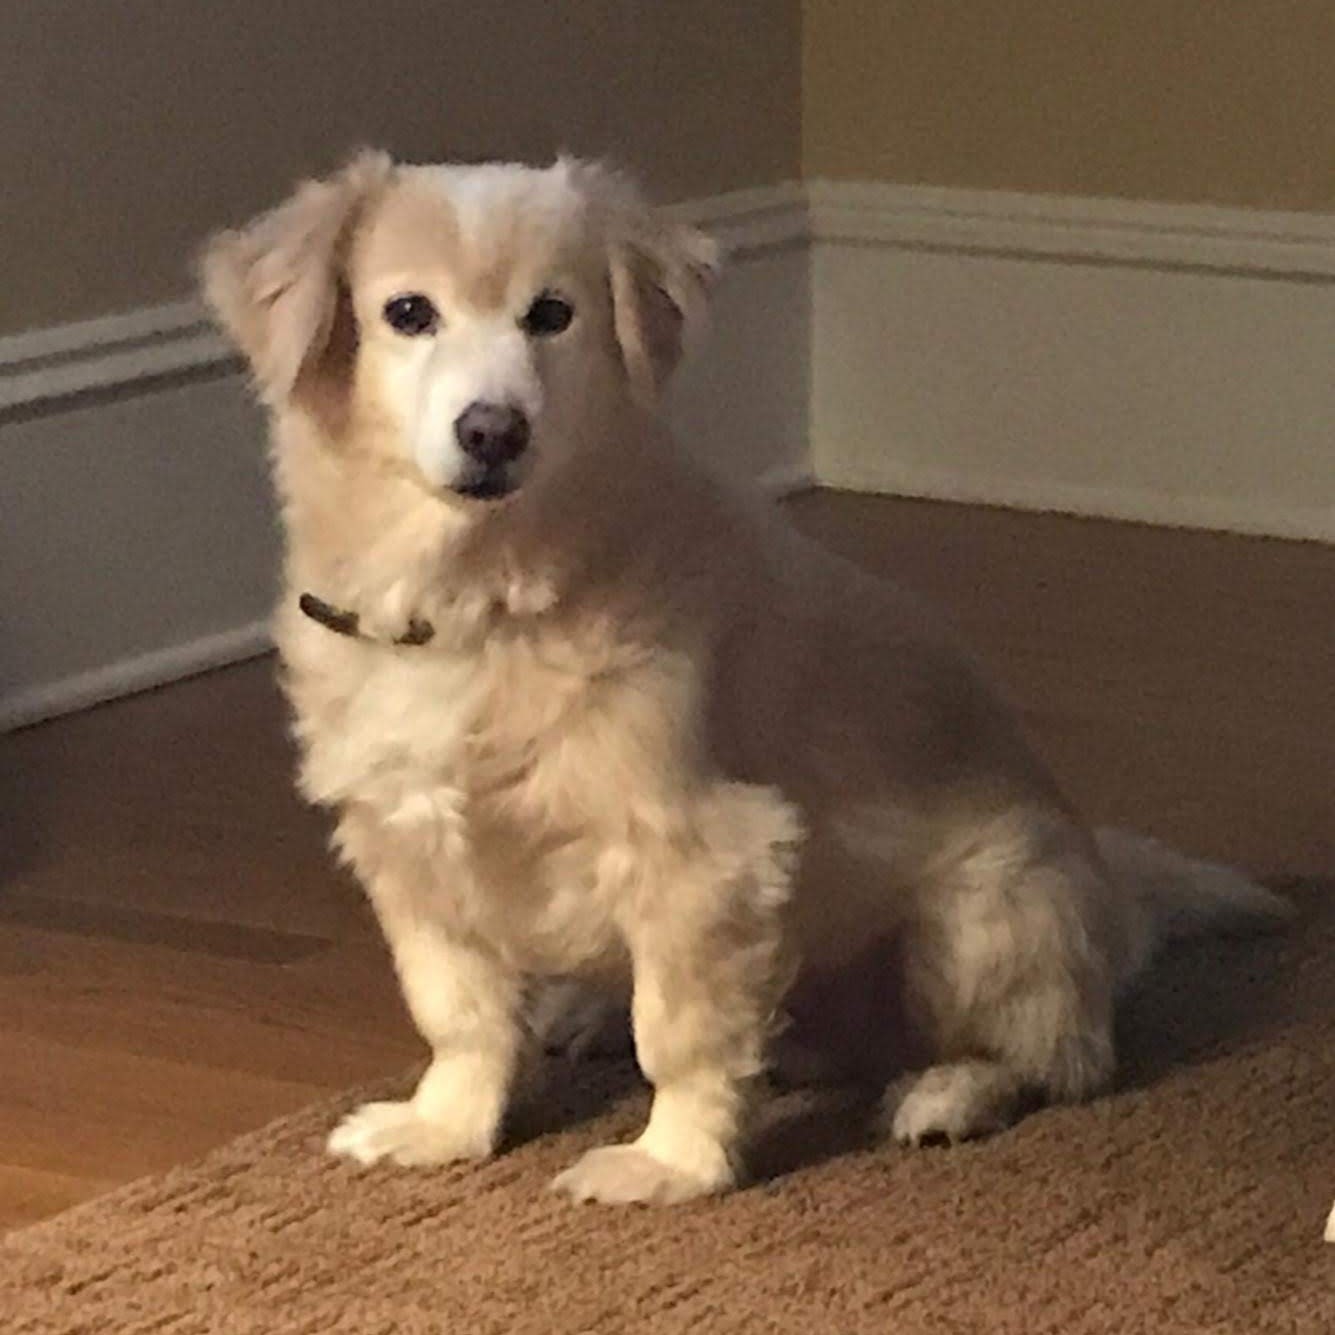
{"points": [[491, 484]]}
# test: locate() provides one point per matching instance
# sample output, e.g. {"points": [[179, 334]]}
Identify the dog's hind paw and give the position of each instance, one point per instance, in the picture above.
{"points": [[628, 1175], [952, 1103], [398, 1132]]}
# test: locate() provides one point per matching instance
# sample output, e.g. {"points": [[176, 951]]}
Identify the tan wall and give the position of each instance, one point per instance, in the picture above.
{"points": [[130, 128], [1208, 101]]}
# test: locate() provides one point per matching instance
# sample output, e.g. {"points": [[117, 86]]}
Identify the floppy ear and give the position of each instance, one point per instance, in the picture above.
{"points": [[275, 285], [661, 275]]}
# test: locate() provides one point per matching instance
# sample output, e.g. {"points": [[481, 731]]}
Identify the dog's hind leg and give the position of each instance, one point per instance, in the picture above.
{"points": [[1010, 986]]}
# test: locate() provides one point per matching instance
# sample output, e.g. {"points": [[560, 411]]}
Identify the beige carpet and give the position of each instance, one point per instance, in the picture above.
{"points": [[1191, 1200]]}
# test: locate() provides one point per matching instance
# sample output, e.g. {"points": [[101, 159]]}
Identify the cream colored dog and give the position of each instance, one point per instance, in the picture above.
{"points": [[592, 717]]}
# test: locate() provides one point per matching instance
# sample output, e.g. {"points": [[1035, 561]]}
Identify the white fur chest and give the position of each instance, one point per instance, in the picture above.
{"points": [[500, 787], [383, 728]]}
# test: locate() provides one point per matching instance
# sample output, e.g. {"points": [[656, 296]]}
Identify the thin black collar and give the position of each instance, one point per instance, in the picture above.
{"points": [[348, 623]]}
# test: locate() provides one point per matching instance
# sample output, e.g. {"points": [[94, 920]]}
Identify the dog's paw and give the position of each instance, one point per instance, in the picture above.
{"points": [[398, 1132], [571, 1019], [950, 1103], [628, 1175]]}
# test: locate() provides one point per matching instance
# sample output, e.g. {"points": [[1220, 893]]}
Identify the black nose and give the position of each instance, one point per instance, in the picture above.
{"points": [[492, 433]]}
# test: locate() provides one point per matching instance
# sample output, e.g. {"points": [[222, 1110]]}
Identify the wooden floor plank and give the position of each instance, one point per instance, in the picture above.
{"points": [[340, 1012], [30, 1194], [98, 1112]]}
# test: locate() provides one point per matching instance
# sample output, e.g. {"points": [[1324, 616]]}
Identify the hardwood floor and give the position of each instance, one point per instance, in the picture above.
{"points": [[1180, 683], [180, 960]]}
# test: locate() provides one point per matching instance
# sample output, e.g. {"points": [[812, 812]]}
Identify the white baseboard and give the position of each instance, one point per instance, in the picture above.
{"points": [[131, 675], [137, 542], [1161, 363], [46, 367], [1157, 363]]}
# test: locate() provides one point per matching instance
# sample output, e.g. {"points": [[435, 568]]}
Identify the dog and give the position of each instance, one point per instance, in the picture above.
{"points": [[589, 718]]}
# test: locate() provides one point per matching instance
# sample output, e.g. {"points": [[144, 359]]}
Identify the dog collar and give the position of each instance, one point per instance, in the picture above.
{"points": [[342, 622]]}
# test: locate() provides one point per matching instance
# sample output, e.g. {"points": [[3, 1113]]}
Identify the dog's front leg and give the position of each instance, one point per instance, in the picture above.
{"points": [[710, 962], [466, 1005]]}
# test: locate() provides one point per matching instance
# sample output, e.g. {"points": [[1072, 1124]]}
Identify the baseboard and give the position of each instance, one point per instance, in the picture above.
{"points": [[44, 368], [752, 221], [1159, 363], [132, 675]]}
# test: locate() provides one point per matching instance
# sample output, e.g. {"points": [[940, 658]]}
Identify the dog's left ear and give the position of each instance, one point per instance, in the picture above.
{"points": [[661, 274], [661, 280]]}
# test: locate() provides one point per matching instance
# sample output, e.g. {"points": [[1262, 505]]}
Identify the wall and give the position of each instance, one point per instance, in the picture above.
{"points": [[137, 126], [1076, 256], [136, 537], [1206, 101]]}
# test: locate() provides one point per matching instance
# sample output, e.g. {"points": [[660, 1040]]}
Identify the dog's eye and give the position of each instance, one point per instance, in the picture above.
{"points": [[548, 315], [411, 314]]}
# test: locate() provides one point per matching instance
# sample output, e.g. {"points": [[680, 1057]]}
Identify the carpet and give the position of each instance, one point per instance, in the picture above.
{"points": [[1191, 1199]]}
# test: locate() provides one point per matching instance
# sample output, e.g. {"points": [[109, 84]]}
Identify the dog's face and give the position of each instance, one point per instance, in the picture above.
{"points": [[465, 324]]}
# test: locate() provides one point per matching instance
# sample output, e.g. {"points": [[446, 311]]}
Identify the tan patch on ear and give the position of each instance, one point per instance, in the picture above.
{"points": [[324, 385], [649, 328], [275, 284], [660, 273], [661, 276]]}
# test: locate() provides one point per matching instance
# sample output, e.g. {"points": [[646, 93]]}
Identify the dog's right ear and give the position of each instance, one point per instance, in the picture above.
{"points": [[274, 285]]}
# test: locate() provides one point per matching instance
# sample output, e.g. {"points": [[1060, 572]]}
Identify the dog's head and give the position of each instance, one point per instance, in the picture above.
{"points": [[462, 323]]}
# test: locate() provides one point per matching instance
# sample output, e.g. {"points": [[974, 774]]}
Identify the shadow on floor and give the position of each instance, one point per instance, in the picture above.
{"points": [[1204, 998]]}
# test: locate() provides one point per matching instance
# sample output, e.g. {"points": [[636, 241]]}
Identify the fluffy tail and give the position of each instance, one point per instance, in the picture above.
{"points": [[1178, 896]]}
